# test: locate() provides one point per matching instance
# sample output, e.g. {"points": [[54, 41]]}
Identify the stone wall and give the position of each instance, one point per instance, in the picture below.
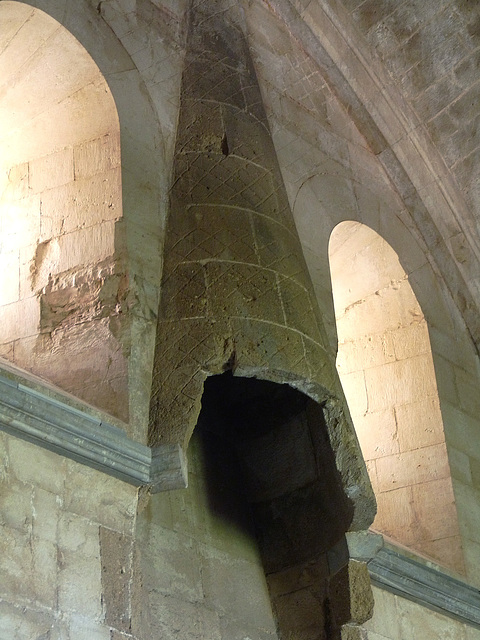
{"points": [[396, 618], [63, 251], [70, 561], [56, 520]]}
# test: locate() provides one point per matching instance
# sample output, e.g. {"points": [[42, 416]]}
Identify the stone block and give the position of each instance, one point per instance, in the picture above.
{"points": [[351, 596], [471, 551], [393, 306], [19, 319], [158, 509], [175, 618], [237, 589], [83, 627], [100, 498], [353, 632], [194, 515], [233, 630], [420, 424], [22, 622], [16, 506], [298, 309], [77, 534], [4, 458], [413, 467], [81, 204], [411, 341], [205, 232], [21, 222], [467, 499], [474, 471], [242, 290], [460, 467], [201, 126], [261, 345], [36, 466], [16, 561], [417, 621], [461, 429], [447, 552], [401, 382], [396, 515], [384, 622], [43, 579], [46, 508], [97, 156], [116, 556], [301, 614], [467, 387], [277, 248], [51, 171], [216, 179], [453, 349], [298, 577], [247, 137], [184, 293], [17, 183], [170, 562], [26, 262], [320, 366], [471, 633], [356, 393], [85, 246], [7, 352], [435, 508], [377, 434], [79, 584], [364, 352]]}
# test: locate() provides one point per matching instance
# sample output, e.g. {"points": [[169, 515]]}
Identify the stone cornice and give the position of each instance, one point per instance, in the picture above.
{"points": [[47, 420], [415, 578]]}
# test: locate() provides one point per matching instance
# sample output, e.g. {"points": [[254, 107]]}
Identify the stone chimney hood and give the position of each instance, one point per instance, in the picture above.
{"points": [[236, 294]]}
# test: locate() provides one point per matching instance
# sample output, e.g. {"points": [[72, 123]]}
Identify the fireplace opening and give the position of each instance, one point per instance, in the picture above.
{"points": [[270, 474]]}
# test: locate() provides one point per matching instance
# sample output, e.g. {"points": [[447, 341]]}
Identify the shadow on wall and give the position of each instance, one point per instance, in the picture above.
{"points": [[270, 471]]}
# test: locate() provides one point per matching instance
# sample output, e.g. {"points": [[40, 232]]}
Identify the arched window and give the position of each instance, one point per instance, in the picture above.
{"points": [[386, 369], [60, 209]]}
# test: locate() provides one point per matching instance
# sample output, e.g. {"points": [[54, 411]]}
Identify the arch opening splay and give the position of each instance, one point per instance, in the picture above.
{"points": [[61, 254], [386, 368]]}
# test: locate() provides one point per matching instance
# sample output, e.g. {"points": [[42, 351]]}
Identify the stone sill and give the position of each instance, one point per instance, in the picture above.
{"points": [[416, 578], [40, 413]]}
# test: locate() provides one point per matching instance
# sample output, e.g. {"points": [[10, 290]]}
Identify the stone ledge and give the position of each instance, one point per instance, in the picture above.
{"points": [[45, 419], [416, 579]]}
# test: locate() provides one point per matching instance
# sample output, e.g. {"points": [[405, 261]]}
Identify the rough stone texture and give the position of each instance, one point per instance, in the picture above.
{"points": [[354, 632], [116, 552], [354, 580]]}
